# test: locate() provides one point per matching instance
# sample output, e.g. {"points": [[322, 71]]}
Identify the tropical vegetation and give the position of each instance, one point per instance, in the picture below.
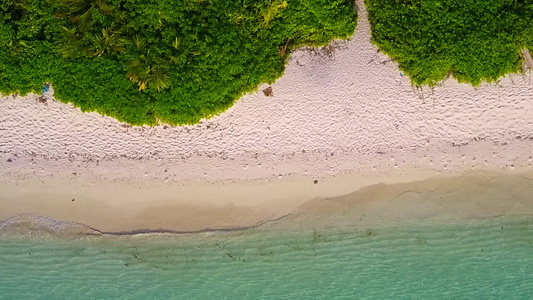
{"points": [[472, 40], [152, 61]]}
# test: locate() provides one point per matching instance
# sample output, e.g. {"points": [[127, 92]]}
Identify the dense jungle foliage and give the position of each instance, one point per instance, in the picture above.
{"points": [[473, 40], [145, 61]]}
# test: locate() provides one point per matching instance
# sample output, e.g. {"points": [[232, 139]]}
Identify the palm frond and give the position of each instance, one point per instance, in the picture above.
{"points": [[84, 21], [77, 6], [146, 75], [133, 63], [159, 80], [103, 7], [176, 43], [68, 32], [137, 42], [68, 49]]}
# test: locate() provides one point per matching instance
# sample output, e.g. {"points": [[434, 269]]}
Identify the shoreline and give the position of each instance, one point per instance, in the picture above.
{"points": [[179, 206], [204, 207], [348, 120]]}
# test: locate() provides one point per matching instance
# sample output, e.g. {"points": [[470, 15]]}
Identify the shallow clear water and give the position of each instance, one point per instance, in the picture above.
{"points": [[479, 259]]}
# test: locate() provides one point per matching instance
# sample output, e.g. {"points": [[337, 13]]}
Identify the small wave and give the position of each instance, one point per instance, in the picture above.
{"points": [[32, 225], [36, 226]]}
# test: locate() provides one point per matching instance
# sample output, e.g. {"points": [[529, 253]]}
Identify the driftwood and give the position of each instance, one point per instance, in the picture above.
{"points": [[284, 49], [268, 92], [527, 58]]}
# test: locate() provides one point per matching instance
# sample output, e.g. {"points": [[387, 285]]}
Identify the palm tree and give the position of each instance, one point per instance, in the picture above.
{"points": [[146, 75], [112, 39], [73, 44], [82, 11], [146, 71], [78, 41]]}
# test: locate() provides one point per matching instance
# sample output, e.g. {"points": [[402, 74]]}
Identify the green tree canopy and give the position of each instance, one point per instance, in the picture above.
{"points": [[473, 40], [144, 61]]}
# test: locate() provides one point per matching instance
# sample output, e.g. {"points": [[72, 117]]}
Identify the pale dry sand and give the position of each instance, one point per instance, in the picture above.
{"points": [[348, 120]]}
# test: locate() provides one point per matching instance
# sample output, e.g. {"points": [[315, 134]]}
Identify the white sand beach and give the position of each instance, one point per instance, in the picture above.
{"points": [[347, 120]]}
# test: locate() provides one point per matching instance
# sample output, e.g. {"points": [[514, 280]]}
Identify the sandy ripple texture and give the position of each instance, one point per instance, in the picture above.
{"points": [[332, 111]]}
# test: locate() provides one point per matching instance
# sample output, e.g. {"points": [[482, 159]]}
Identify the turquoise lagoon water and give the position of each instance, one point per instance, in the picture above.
{"points": [[475, 259]]}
